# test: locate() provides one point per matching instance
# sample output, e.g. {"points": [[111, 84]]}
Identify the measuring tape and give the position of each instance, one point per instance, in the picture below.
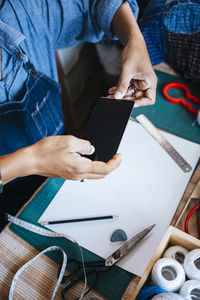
{"points": [[39, 230], [155, 133]]}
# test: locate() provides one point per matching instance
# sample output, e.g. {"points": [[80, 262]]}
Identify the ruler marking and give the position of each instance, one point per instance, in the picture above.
{"points": [[154, 132]]}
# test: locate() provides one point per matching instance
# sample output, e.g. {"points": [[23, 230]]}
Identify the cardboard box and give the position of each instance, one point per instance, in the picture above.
{"points": [[173, 236], [192, 201]]}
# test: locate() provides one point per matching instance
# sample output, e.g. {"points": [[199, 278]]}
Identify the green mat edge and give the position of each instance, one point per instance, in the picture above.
{"points": [[185, 117]]}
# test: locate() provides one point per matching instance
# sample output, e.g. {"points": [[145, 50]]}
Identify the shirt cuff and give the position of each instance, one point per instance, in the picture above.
{"points": [[106, 12]]}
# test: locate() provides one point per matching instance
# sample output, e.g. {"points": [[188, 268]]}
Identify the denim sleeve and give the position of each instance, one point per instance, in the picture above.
{"points": [[77, 21]]}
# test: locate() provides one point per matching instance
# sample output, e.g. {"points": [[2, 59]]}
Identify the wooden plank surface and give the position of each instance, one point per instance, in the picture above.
{"points": [[38, 280]]}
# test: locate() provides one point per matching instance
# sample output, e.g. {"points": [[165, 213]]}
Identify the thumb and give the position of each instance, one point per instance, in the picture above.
{"points": [[81, 146], [122, 85]]}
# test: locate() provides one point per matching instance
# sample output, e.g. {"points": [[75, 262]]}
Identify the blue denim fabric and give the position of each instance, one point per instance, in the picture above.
{"points": [[183, 17], [178, 16], [23, 122], [151, 25], [37, 115], [152, 8], [153, 32], [30, 106], [41, 27]]}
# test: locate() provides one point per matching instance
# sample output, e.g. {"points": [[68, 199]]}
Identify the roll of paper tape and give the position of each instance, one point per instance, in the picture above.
{"points": [[176, 252], [168, 274], [192, 264], [190, 290], [168, 296]]}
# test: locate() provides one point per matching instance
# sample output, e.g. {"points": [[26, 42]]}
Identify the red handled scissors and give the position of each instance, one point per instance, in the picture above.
{"points": [[182, 101], [195, 209]]}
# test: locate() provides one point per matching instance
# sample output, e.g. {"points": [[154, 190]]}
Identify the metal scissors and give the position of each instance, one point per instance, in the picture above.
{"points": [[189, 96], [94, 267], [195, 209]]}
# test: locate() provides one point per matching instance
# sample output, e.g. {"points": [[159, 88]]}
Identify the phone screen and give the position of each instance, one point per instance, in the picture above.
{"points": [[106, 126]]}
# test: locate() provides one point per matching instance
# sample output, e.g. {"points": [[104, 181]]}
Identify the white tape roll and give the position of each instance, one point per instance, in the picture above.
{"points": [[190, 290], [168, 274], [176, 252], [168, 296], [192, 264]]}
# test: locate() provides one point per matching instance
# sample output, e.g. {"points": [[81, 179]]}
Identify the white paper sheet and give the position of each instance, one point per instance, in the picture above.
{"points": [[146, 189]]}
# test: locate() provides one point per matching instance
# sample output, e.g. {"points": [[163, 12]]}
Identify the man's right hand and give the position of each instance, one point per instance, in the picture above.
{"points": [[56, 156], [61, 156]]}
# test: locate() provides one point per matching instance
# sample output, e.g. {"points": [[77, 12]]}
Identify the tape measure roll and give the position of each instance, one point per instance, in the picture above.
{"points": [[39, 230]]}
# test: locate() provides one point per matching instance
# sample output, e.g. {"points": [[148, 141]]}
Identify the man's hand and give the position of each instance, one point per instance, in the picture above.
{"points": [[136, 68], [56, 156], [60, 156], [136, 71]]}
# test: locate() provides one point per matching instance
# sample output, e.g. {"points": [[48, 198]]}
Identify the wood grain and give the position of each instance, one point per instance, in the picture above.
{"points": [[38, 280]]}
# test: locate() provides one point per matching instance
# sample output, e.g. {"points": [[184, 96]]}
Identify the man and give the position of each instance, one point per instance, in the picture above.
{"points": [[31, 127]]}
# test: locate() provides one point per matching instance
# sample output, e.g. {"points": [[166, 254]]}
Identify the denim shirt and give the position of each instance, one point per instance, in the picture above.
{"points": [[41, 27]]}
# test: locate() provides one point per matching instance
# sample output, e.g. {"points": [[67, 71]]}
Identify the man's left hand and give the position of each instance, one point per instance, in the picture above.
{"points": [[137, 79]]}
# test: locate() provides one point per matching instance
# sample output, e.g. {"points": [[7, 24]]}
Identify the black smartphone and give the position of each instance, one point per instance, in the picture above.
{"points": [[106, 126]]}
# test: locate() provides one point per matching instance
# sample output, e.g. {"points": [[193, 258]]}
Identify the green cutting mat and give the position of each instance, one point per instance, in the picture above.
{"points": [[167, 116], [171, 117], [111, 284]]}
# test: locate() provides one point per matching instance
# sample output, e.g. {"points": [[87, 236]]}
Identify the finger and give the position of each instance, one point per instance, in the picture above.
{"points": [[123, 84], [147, 97], [140, 100], [143, 102], [139, 94], [142, 84], [88, 176], [80, 146], [126, 97], [101, 168], [112, 90], [134, 96], [84, 176], [82, 165], [110, 96], [131, 91], [151, 94]]}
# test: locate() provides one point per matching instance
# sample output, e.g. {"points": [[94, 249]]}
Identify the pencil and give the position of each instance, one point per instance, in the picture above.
{"points": [[78, 220]]}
